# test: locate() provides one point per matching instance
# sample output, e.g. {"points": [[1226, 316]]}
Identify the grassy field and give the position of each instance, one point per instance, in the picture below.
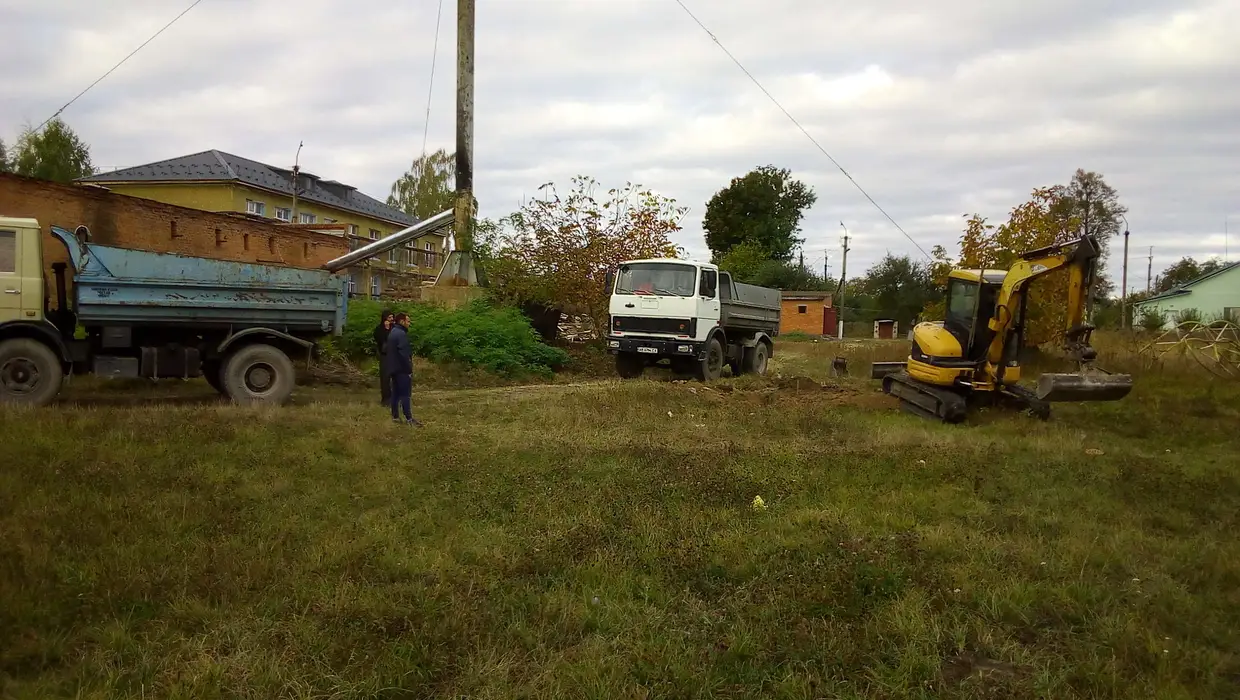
{"points": [[598, 540]]}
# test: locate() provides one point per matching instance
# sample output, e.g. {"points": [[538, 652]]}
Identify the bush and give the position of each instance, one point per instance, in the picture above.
{"points": [[1187, 315], [1153, 320], [497, 339]]}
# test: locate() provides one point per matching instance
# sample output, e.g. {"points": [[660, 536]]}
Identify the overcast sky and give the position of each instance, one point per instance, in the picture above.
{"points": [[937, 109]]}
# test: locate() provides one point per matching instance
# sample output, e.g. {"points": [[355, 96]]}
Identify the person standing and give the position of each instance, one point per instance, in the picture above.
{"points": [[400, 357], [386, 320]]}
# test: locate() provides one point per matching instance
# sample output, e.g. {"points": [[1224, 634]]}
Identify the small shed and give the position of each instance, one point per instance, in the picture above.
{"points": [[806, 312], [886, 329], [1215, 295]]}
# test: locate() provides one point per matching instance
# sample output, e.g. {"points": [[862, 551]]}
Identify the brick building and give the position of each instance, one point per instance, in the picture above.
{"points": [[143, 224], [216, 181], [807, 312]]}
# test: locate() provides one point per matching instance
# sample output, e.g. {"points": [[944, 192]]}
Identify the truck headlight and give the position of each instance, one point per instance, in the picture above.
{"points": [[682, 348], [613, 343]]}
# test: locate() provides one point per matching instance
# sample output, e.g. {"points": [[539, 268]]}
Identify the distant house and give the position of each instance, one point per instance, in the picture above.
{"points": [[1214, 295], [221, 182], [807, 312]]}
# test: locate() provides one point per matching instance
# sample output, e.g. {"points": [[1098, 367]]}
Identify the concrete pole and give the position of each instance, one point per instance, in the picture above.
{"points": [[464, 219], [843, 281], [1123, 291]]}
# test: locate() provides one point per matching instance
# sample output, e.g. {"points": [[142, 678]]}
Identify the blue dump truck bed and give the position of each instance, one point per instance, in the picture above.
{"points": [[123, 287]]}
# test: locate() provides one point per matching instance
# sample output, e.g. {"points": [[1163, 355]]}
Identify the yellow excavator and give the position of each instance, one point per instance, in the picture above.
{"points": [[973, 355]]}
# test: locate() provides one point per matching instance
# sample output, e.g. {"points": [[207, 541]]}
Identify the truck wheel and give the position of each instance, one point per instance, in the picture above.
{"points": [[629, 366], [755, 359], [30, 373], [711, 367], [258, 374]]}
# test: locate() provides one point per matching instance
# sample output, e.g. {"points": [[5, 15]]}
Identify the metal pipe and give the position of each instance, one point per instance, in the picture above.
{"points": [[383, 245]]}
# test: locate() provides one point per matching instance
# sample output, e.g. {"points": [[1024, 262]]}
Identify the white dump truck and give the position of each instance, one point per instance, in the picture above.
{"points": [[689, 316]]}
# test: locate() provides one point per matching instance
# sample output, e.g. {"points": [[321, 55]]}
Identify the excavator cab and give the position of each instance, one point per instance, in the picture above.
{"points": [[971, 298]]}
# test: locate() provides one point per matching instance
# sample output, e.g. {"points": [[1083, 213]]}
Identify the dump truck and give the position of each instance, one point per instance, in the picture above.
{"points": [[136, 313], [690, 316]]}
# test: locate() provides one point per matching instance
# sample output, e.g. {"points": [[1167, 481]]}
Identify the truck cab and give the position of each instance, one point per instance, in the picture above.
{"points": [[21, 271], [690, 316]]}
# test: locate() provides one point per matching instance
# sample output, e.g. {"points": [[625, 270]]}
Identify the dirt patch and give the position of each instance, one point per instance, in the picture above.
{"points": [[959, 669]]}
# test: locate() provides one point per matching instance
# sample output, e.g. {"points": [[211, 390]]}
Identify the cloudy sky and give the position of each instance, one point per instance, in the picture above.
{"points": [[937, 109]]}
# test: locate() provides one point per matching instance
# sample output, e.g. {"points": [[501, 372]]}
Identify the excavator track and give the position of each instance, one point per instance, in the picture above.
{"points": [[918, 398]]}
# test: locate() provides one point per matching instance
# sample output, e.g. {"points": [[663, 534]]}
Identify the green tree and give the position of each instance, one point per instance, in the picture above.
{"points": [[4, 158], [55, 153], [557, 249], [765, 208], [899, 288], [742, 261], [1095, 208], [1184, 271], [427, 188]]}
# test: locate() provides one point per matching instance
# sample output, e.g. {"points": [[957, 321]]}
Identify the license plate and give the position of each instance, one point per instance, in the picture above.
{"points": [[649, 351]]}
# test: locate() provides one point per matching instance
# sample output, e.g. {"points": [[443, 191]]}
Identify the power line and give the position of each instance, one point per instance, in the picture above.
{"points": [[798, 125], [118, 65], [426, 128]]}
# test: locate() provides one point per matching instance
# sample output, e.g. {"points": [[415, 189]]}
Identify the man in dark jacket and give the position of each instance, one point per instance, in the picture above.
{"points": [[386, 320], [400, 359]]}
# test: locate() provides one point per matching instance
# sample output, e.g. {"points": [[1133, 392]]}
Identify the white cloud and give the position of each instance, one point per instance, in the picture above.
{"points": [[937, 110]]}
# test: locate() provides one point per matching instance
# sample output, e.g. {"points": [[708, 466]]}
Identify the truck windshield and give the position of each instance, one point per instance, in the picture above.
{"points": [[665, 279]]}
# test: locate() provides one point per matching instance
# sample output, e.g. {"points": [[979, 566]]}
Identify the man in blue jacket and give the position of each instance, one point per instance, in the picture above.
{"points": [[400, 364]]}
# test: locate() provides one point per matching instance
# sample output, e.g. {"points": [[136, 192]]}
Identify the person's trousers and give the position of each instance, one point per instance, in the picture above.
{"points": [[402, 388]]}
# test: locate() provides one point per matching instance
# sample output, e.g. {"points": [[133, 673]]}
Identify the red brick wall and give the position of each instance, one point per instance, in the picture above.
{"points": [[131, 222], [809, 322]]}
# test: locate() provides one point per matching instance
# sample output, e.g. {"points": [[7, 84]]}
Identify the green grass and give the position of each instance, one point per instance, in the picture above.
{"points": [[598, 541]]}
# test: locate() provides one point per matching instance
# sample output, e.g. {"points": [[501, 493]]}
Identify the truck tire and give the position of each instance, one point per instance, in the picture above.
{"points": [[710, 367], [258, 373], [756, 358], [30, 373], [629, 366]]}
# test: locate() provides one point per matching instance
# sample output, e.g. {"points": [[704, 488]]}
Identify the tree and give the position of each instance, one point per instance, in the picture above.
{"points": [[898, 288], [557, 250], [1095, 208], [1037, 223], [764, 208], [743, 261], [1184, 271], [4, 158], [55, 153], [427, 188]]}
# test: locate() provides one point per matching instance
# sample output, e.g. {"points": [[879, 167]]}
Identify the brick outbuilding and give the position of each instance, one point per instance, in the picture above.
{"points": [[807, 312]]}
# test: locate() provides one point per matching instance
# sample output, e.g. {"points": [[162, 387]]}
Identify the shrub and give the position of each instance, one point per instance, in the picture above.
{"points": [[497, 339], [1186, 315], [1153, 320]]}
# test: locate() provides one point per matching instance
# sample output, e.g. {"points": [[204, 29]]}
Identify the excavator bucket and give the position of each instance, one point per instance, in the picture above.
{"points": [[1084, 386]]}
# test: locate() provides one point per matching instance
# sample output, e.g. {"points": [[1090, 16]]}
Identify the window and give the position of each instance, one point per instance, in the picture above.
{"points": [[375, 235], [8, 252], [710, 284], [962, 300], [352, 229], [352, 283], [306, 218], [284, 214], [667, 279], [412, 259], [253, 207], [802, 308], [374, 285], [394, 256]]}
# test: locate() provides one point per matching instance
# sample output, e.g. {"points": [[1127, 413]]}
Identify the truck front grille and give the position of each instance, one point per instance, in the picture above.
{"points": [[645, 324]]}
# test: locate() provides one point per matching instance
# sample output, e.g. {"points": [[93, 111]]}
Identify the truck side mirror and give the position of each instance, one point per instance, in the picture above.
{"points": [[710, 284], [609, 284]]}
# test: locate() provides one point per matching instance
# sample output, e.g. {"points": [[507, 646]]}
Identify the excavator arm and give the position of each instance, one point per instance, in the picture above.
{"points": [[1089, 383]]}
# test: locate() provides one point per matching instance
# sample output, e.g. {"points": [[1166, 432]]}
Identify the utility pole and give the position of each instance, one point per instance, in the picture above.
{"points": [[1149, 272], [802, 261], [1123, 290], [843, 279], [292, 219], [463, 221], [826, 266]]}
